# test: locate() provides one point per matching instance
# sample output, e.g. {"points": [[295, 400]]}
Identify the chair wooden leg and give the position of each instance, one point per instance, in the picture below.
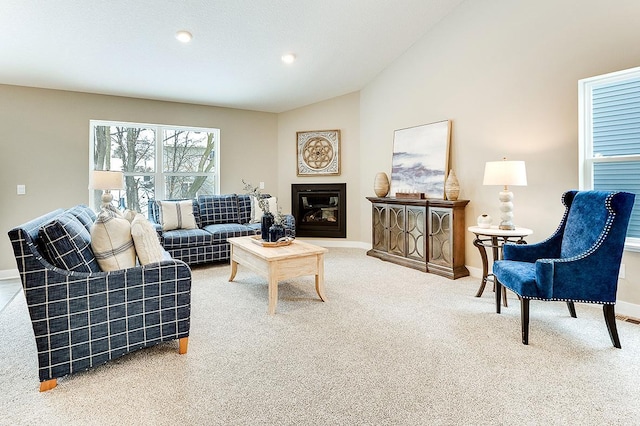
{"points": [[184, 343], [498, 288], [48, 385], [524, 318], [610, 319], [572, 309]]}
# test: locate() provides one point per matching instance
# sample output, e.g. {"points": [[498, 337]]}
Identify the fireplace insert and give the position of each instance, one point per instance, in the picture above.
{"points": [[320, 209]]}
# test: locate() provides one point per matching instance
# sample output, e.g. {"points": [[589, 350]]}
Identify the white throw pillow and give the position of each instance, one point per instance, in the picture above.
{"points": [[112, 243], [145, 239], [256, 211], [129, 214], [177, 215]]}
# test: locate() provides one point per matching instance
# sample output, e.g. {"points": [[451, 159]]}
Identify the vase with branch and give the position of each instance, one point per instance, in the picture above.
{"points": [[261, 202]]}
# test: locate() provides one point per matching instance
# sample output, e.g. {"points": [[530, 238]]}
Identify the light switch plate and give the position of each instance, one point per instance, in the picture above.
{"points": [[22, 189]]}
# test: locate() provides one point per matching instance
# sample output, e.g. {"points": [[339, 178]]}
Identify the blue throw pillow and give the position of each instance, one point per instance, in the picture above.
{"points": [[216, 209], [68, 244]]}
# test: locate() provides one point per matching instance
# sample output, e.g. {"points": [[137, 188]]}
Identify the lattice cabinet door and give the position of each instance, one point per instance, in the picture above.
{"points": [[396, 230], [440, 236], [415, 233], [380, 222]]}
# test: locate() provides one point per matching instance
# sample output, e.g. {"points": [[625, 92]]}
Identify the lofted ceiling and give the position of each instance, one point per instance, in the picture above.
{"points": [[128, 47]]}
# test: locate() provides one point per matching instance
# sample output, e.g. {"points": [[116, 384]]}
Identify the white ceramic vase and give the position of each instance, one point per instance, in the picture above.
{"points": [[452, 186]]}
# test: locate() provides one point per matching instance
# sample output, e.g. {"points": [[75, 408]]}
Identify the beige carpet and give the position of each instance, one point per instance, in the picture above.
{"points": [[391, 346]]}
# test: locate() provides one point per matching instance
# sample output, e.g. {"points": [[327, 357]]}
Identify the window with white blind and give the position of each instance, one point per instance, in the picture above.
{"points": [[609, 132]]}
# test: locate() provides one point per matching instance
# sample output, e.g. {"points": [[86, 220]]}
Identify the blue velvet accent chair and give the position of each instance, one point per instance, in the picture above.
{"points": [[580, 262]]}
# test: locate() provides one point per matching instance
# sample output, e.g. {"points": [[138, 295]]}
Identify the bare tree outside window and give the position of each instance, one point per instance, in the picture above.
{"points": [[188, 166]]}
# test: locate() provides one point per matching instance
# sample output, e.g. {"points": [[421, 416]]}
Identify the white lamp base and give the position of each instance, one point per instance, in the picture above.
{"points": [[107, 198], [506, 210]]}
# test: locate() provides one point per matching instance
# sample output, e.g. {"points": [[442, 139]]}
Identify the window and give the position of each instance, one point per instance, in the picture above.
{"points": [[159, 162], [609, 132]]}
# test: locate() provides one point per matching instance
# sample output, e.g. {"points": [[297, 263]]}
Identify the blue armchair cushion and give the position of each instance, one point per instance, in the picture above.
{"points": [[84, 214], [68, 244], [182, 238], [244, 208], [216, 209], [221, 232]]}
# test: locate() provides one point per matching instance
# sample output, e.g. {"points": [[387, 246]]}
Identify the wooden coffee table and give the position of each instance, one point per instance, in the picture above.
{"points": [[279, 263]]}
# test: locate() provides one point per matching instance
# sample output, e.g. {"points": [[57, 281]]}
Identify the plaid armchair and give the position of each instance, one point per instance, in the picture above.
{"points": [[82, 319]]}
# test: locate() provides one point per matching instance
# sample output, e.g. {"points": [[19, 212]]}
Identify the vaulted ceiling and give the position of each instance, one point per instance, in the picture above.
{"points": [[128, 48]]}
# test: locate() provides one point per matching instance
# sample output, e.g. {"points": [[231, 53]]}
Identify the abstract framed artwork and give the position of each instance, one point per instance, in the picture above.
{"points": [[318, 152], [421, 159]]}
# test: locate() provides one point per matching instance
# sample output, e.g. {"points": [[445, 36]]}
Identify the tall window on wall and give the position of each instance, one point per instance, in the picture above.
{"points": [[159, 162], [609, 109]]}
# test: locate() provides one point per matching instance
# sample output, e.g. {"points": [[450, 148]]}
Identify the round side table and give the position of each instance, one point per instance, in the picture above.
{"points": [[495, 238]]}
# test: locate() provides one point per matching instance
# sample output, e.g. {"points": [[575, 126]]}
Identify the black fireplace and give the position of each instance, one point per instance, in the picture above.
{"points": [[320, 209]]}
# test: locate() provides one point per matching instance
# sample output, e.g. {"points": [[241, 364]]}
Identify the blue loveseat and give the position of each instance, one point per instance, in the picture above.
{"points": [[217, 217], [83, 317]]}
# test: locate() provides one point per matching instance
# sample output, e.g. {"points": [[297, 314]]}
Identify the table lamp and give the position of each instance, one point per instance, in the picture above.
{"points": [[106, 180], [505, 173]]}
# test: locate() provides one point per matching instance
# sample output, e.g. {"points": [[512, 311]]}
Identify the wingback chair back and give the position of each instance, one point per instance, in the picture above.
{"points": [[580, 262]]}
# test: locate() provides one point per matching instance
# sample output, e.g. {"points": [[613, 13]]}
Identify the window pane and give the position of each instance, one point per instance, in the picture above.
{"points": [[140, 189], [177, 187], [621, 176], [124, 148], [616, 118], [188, 151]]}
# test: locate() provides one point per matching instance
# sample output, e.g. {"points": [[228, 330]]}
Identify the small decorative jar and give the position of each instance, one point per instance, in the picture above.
{"points": [[276, 231], [484, 221]]}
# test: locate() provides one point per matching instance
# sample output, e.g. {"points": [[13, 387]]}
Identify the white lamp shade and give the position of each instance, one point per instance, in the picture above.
{"points": [[106, 180], [505, 173]]}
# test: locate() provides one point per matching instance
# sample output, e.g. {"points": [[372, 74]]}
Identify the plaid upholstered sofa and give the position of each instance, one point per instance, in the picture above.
{"points": [[217, 218], [83, 317]]}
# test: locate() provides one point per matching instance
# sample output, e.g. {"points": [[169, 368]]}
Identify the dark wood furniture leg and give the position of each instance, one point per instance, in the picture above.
{"points": [[524, 318], [610, 319]]}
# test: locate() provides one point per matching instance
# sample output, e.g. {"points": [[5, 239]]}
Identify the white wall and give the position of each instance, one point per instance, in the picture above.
{"points": [[338, 113], [506, 73]]}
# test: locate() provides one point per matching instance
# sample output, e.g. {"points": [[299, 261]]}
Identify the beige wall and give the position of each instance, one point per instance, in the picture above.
{"points": [[506, 73], [340, 113], [45, 146]]}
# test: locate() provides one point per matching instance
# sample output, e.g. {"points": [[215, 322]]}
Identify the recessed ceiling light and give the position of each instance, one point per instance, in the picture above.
{"points": [[184, 36], [288, 58]]}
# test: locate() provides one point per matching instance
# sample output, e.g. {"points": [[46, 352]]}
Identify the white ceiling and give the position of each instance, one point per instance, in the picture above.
{"points": [[127, 47]]}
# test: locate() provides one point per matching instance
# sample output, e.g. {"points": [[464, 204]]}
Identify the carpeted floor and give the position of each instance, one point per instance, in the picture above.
{"points": [[392, 346]]}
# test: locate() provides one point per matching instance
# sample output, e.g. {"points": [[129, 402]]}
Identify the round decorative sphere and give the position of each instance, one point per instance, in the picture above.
{"points": [[484, 221], [381, 184]]}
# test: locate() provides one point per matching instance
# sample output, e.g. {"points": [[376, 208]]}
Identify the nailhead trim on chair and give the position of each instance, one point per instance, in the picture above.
{"points": [[607, 228]]}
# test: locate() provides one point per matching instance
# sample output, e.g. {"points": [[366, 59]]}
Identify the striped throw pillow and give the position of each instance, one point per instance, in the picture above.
{"points": [[177, 215], [112, 243]]}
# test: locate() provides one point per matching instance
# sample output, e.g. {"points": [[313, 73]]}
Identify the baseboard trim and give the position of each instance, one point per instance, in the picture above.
{"points": [[9, 274], [337, 243]]}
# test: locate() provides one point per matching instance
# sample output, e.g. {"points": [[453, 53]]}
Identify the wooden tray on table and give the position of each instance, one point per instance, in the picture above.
{"points": [[285, 241]]}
